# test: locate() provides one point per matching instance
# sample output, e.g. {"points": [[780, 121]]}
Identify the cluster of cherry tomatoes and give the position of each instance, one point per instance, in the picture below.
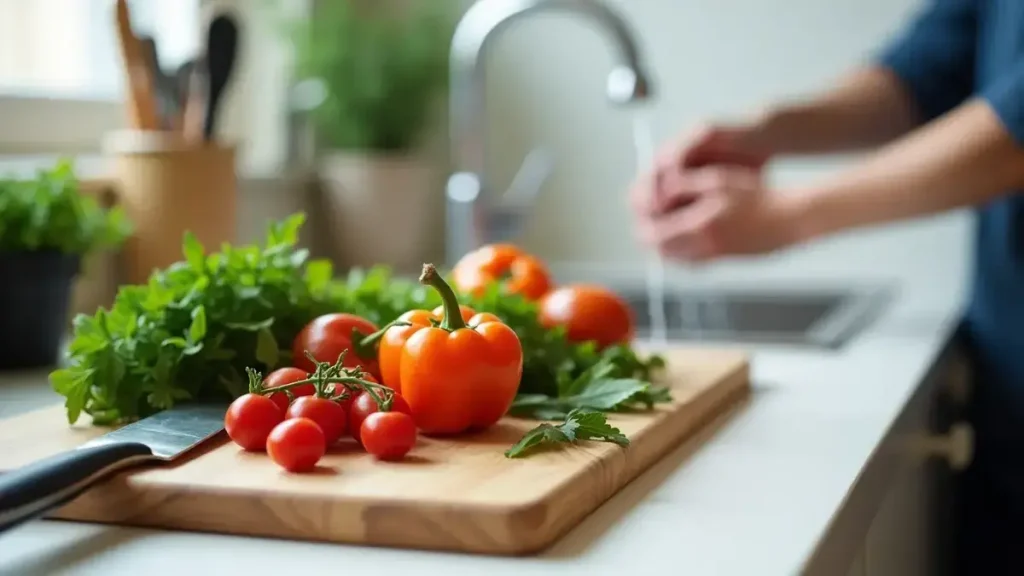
{"points": [[296, 413]]}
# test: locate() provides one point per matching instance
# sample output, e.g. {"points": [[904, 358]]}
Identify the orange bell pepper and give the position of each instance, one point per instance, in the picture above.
{"points": [[455, 375], [389, 351], [519, 272]]}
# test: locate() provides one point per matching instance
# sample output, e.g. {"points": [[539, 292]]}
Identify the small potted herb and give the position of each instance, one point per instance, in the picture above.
{"points": [[46, 228], [383, 70]]}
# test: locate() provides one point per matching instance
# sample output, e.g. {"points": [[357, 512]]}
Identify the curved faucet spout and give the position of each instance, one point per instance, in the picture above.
{"points": [[470, 222]]}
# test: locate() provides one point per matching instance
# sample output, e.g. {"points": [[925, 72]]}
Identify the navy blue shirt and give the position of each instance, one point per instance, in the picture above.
{"points": [[955, 50]]}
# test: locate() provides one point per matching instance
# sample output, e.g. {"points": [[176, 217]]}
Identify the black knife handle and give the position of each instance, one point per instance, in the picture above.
{"points": [[37, 488]]}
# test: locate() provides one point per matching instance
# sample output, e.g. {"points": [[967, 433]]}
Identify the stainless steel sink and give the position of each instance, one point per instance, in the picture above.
{"points": [[822, 318]]}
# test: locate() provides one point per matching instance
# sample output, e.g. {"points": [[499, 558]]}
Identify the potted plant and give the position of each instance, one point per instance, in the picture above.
{"points": [[383, 67], [46, 227]]}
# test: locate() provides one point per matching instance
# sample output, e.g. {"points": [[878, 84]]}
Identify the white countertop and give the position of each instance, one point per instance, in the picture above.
{"points": [[754, 498]]}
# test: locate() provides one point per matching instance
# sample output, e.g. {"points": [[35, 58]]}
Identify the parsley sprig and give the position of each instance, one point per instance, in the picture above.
{"points": [[577, 425]]}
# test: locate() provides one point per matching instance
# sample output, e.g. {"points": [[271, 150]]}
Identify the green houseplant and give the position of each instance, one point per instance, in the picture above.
{"points": [[46, 227], [382, 66], [383, 69]]}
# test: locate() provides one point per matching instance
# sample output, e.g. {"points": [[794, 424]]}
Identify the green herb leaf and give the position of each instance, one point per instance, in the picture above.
{"points": [[256, 326], [197, 331], [73, 384], [577, 425], [543, 434], [318, 275], [604, 395], [267, 351], [194, 252]]}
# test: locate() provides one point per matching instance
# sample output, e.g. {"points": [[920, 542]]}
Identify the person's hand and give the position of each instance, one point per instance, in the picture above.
{"points": [[736, 145], [716, 211]]}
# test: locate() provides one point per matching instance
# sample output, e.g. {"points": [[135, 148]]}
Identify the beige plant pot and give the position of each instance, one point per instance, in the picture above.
{"points": [[380, 209]]}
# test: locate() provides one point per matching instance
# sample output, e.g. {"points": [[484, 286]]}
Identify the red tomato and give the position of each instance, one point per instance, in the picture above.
{"points": [[588, 312], [327, 336], [249, 420], [296, 444], [388, 435], [329, 415], [363, 405], [283, 376]]}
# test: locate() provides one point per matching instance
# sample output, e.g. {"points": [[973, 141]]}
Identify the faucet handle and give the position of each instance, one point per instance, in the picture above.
{"points": [[529, 180], [506, 219]]}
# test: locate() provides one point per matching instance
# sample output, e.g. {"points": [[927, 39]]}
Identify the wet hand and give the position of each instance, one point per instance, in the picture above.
{"points": [[705, 213], [734, 145]]}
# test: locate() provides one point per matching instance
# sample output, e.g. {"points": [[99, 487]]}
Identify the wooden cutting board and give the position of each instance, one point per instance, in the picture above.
{"points": [[460, 495]]}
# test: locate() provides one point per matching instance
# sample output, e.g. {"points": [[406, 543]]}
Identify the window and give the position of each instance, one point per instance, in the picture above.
{"points": [[61, 78]]}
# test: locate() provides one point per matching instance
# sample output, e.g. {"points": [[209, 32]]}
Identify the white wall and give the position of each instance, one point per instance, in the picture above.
{"points": [[710, 58]]}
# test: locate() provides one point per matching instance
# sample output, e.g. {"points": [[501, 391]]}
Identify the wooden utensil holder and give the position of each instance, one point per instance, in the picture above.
{"points": [[168, 186]]}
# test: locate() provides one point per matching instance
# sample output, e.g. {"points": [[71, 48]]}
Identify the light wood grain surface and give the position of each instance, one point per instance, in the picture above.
{"points": [[461, 495]]}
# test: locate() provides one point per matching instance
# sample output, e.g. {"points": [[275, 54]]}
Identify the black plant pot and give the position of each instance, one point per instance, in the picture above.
{"points": [[35, 289]]}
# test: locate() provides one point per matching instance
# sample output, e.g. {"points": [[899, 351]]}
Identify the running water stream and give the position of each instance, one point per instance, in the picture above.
{"points": [[643, 142]]}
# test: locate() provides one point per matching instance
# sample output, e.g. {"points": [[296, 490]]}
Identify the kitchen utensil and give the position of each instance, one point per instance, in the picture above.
{"points": [[164, 86], [41, 486], [457, 494], [139, 83], [221, 47], [196, 82], [181, 80]]}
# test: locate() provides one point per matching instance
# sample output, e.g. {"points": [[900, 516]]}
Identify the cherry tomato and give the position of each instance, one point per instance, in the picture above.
{"points": [[328, 335], [249, 420], [296, 444], [518, 272], [283, 376], [329, 415], [388, 435], [588, 312], [364, 405]]}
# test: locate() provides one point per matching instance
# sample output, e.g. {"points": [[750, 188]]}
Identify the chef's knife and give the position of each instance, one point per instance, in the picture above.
{"points": [[42, 486]]}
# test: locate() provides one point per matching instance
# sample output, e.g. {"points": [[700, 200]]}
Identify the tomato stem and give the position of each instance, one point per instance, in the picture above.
{"points": [[452, 319], [350, 382], [383, 402], [255, 381]]}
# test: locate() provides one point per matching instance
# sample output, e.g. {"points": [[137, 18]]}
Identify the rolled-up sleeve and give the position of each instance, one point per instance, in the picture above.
{"points": [[1006, 97], [934, 56]]}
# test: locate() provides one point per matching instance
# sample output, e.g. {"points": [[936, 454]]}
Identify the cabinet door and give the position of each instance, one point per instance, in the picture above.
{"points": [[900, 541], [910, 535]]}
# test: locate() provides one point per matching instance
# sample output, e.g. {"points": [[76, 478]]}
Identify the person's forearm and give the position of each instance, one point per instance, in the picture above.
{"points": [[965, 158], [869, 108]]}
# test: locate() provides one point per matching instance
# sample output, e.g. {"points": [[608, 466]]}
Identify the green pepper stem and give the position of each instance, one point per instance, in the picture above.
{"points": [[366, 346], [452, 313]]}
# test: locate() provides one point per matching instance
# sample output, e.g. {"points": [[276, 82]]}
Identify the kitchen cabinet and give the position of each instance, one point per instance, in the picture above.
{"points": [[909, 534]]}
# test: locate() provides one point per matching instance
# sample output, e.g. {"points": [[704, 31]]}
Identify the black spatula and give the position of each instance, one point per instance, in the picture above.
{"points": [[221, 50]]}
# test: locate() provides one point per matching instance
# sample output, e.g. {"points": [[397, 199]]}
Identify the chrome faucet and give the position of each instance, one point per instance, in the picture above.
{"points": [[475, 218]]}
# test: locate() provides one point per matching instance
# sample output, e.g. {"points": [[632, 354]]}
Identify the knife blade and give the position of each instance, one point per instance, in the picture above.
{"points": [[42, 486]]}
